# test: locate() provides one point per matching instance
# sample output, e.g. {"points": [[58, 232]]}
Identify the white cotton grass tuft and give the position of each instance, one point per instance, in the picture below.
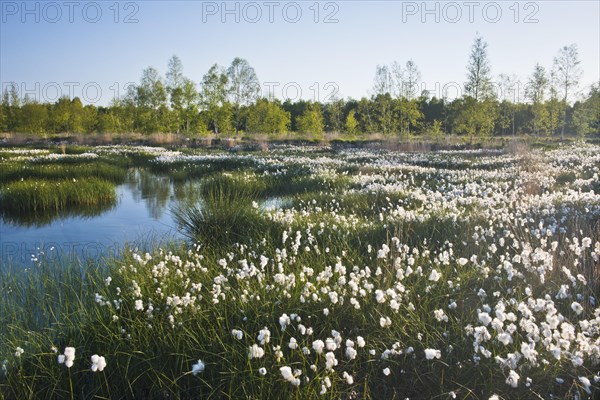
{"points": [[430, 354], [198, 367], [505, 338], [238, 334], [318, 346], [264, 336], [284, 321], [349, 379], [68, 357], [255, 351], [485, 318], [586, 384], [512, 379], [578, 308], [98, 363], [434, 275], [351, 353], [330, 360], [288, 375], [385, 322]]}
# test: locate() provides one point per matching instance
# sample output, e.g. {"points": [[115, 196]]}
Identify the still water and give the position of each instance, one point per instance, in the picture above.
{"points": [[142, 215]]}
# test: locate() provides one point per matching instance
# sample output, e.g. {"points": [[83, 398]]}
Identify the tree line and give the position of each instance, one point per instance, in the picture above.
{"points": [[228, 101]]}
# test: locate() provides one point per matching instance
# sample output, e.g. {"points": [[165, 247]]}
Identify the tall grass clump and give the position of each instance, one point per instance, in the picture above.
{"points": [[40, 196], [226, 213]]}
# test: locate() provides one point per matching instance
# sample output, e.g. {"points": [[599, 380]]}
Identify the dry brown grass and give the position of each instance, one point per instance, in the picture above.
{"points": [[18, 139]]}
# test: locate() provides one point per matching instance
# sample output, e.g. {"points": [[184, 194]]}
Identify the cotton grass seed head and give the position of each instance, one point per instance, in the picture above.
{"points": [[198, 367], [98, 363]]}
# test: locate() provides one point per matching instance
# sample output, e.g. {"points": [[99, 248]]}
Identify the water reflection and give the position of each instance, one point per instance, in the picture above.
{"points": [[189, 191], [40, 219], [153, 190]]}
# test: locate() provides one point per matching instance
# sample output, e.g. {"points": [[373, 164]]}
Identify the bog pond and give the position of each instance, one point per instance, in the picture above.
{"points": [[141, 214], [87, 203]]}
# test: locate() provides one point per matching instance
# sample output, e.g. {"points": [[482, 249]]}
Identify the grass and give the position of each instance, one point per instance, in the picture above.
{"points": [[44, 196], [410, 259], [225, 214], [101, 170]]}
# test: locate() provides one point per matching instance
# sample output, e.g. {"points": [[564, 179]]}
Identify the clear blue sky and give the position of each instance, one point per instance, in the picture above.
{"points": [[52, 47]]}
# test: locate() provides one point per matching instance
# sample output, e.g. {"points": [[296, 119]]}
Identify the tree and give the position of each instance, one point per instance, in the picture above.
{"points": [[536, 92], [475, 114], [311, 121], [383, 87], [351, 122], [34, 117], [334, 111], [296, 109], [188, 106], [174, 86], [397, 78], [433, 110], [13, 116], [566, 72], [366, 116], [151, 98], [127, 110], [509, 85], [586, 114], [60, 114], [89, 119], [183, 97], [244, 87], [120, 116], [383, 81], [4, 111], [409, 114], [268, 117], [474, 118], [216, 108], [76, 116], [478, 83], [556, 110], [410, 83], [405, 81], [383, 107], [175, 78]]}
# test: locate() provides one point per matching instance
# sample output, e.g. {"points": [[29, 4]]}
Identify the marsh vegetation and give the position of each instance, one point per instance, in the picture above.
{"points": [[312, 272]]}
